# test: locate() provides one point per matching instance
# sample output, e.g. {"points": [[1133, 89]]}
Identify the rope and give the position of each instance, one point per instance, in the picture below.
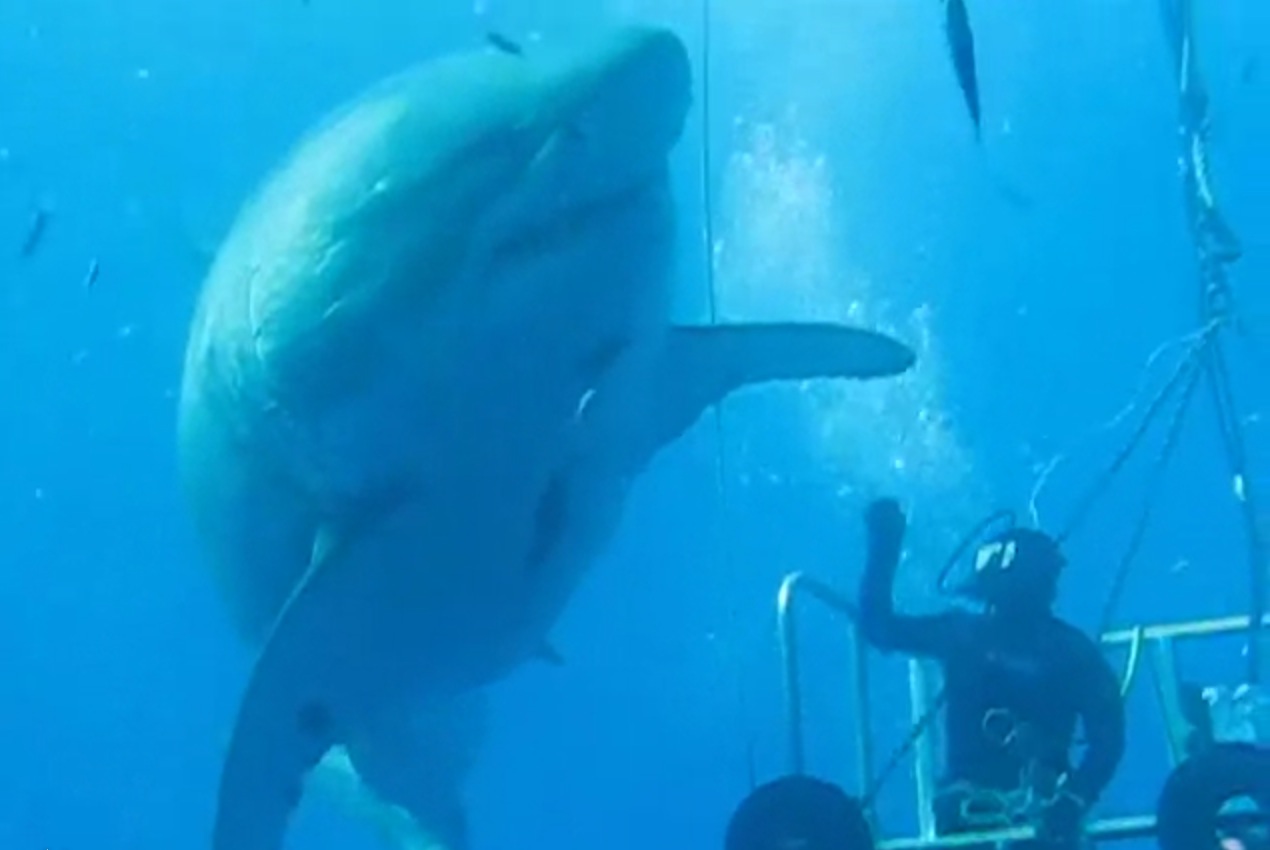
{"points": [[1245, 493], [707, 234], [901, 752], [1177, 379], [707, 230], [707, 201], [1217, 247], [1121, 576], [1189, 338]]}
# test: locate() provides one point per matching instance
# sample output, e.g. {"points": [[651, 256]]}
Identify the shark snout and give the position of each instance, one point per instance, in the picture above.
{"points": [[644, 91], [611, 115], [622, 105]]}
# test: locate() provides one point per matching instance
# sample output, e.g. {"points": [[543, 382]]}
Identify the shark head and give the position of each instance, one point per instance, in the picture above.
{"points": [[604, 124], [483, 184]]}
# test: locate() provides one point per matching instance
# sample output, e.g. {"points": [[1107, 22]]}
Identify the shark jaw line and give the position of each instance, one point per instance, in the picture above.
{"points": [[573, 223], [610, 121]]}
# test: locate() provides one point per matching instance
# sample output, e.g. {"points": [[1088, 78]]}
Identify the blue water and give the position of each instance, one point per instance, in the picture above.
{"points": [[1034, 273]]}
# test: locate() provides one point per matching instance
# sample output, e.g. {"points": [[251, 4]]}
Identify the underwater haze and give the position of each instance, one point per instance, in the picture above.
{"points": [[828, 171]]}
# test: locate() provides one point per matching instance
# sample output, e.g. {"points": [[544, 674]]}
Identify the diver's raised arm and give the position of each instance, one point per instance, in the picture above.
{"points": [[879, 623]]}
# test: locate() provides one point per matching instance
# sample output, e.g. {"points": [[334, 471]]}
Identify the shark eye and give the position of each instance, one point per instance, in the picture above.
{"points": [[600, 359], [314, 721]]}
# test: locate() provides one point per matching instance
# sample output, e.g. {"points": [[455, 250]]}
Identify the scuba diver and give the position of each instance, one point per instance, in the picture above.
{"points": [[1016, 678]]}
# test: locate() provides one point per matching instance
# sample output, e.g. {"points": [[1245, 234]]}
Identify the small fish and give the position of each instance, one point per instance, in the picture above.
{"points": [[504, 43], [36, 227], [90, 277], [961, 47]]}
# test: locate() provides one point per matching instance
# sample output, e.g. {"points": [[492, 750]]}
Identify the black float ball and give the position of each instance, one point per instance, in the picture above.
{"points": [[799, 813]]}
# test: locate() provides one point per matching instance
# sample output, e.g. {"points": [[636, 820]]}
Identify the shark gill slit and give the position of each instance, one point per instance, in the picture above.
{"points": [[561, 228], [549, 518]]}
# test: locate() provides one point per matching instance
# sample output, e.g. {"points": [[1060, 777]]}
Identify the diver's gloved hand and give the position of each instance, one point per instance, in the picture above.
{"points": [[1062, 818], [884, 524]]}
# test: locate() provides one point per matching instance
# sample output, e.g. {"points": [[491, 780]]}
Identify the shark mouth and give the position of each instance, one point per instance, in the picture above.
{"points": [[573, 222]]}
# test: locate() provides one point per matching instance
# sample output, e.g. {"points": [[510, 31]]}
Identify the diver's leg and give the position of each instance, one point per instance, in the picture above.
{"points": [[407, 773]]}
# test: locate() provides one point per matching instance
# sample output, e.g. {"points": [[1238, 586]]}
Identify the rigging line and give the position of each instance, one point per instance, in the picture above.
{"points": [[1246, 495], [707, 238], [1188, 341], [1167, 451], [1104, 481], [706, 165], [1217, 246], [1224, 406], [707, 233], [1216, 301], [721, 471], [905, 747]]}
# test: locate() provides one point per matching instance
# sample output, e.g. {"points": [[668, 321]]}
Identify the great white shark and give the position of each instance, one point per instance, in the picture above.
{"points": [[426, 365]]}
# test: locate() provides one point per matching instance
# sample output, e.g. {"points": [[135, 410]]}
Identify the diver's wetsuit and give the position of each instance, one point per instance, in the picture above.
{"points": [[1041, 673]]}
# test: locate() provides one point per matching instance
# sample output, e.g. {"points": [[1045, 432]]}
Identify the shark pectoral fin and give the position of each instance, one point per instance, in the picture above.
{"points": [[701, 365], [413, 767], [285, 722], [277, 739]]}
